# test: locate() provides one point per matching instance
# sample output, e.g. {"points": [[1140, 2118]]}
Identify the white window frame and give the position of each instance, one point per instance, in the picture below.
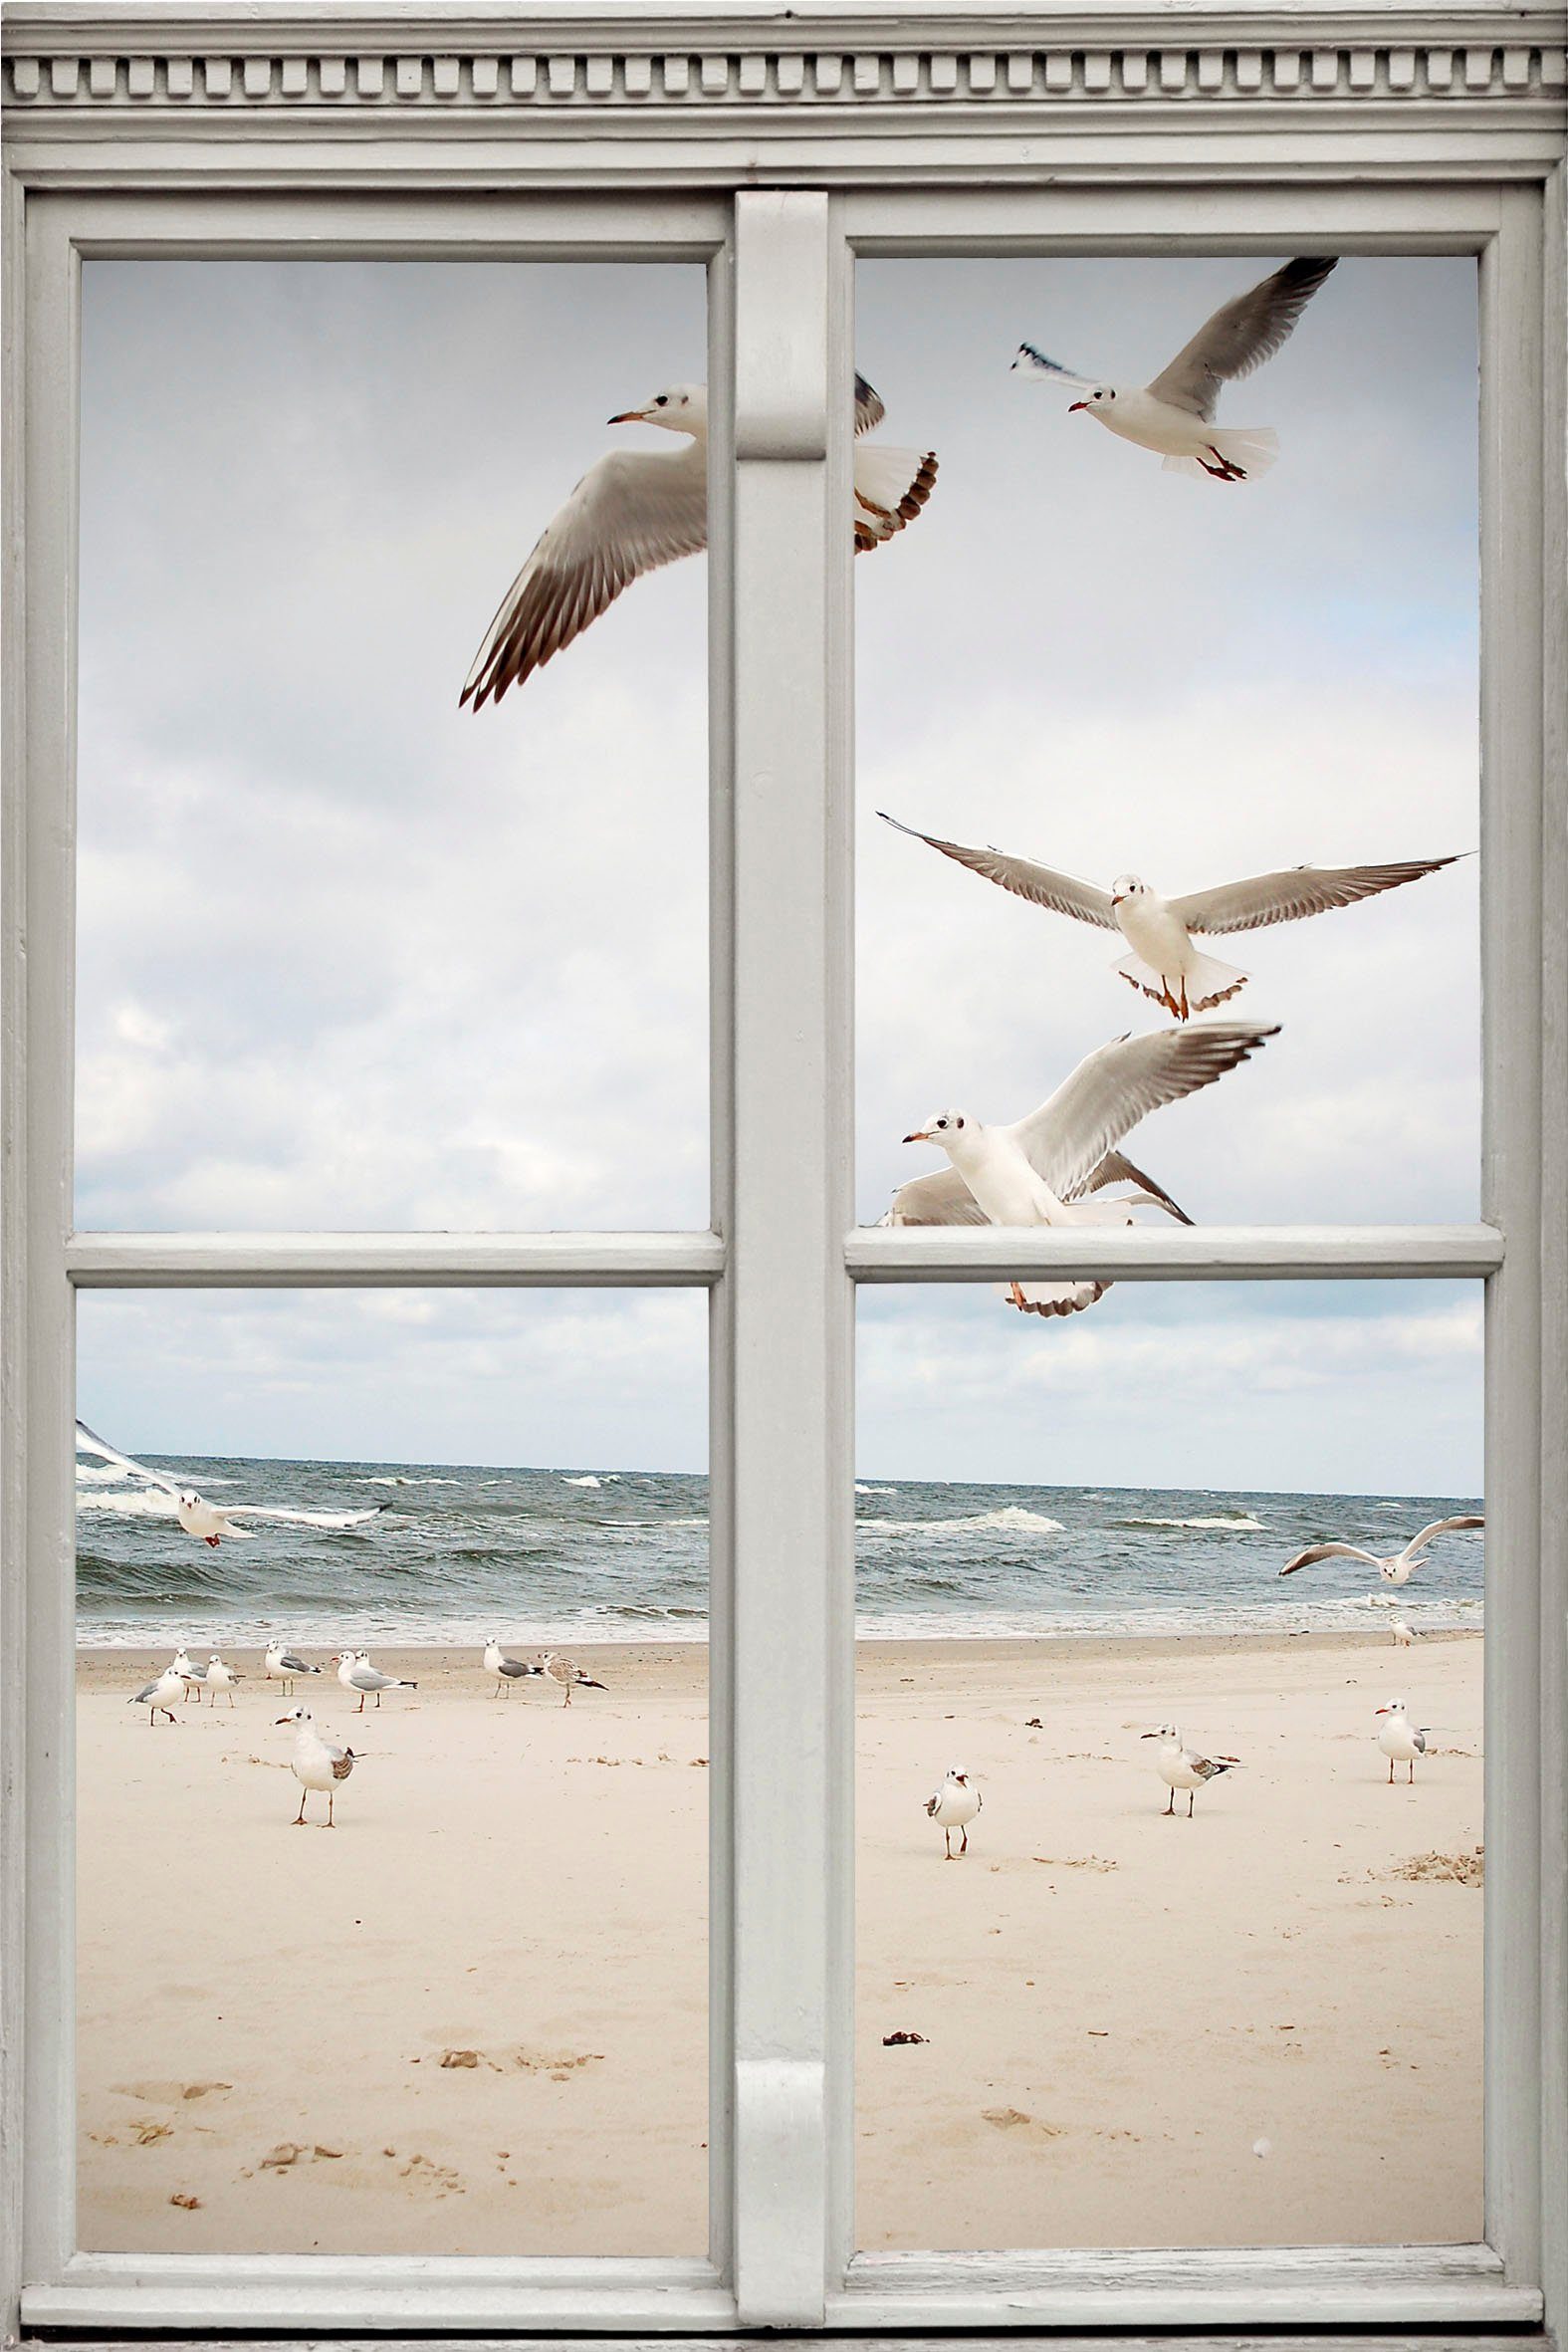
{"points": [[775, 147]]}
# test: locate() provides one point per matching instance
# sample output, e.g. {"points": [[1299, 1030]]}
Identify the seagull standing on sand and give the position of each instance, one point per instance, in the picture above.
{"points": [[355, 1673], [1175, 415], [281, 1664], [221, 1677], [158, 1695], [567, 1673], [506, 1670], [953, 1807], [1165, 964], [1180, 1767], [1038, 1170], [211, 1522], [317, 1763], [1399, 1738], [1397, 1568], [1403, 1634], [191, 1675], [637, 509]]}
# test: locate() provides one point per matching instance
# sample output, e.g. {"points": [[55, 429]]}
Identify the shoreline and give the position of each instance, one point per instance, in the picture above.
{"points": [[993, 1650]]}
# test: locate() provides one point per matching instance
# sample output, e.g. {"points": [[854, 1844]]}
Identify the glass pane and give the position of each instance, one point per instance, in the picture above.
{"points": [[1106, 668], [1160, 2003], [473, 2018], [352, 955]]}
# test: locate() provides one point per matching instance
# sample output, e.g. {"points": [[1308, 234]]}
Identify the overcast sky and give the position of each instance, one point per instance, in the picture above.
{"points": [[352, 957]]}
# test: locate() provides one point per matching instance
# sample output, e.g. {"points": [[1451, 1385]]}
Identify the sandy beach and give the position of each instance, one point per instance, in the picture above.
{"points": [[473, 2019]]}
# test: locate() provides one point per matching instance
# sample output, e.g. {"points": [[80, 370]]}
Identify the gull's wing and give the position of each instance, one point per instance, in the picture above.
{"points": [[1109, 1092], [1240, 336], [631, 512], [303, 1518], [1317, 1551], [869, 410], [1042, 886], [942, 1198], [86, 1443], [1032, 362], [890, 488], [1438, 1526], [1115, 1168], [1293, 892], [293, 1665]]}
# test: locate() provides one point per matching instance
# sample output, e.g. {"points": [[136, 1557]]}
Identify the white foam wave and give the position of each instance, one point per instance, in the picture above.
{"points": [[589, 1481], [409, 1481], [1011, 1519], [99, 1474], [1233, 1527], [859, 1490]]}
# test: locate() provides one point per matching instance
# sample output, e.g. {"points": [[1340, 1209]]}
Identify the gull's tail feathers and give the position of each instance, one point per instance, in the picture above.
{"points": [[1246, 450], [891, 486], [1208, 983]]}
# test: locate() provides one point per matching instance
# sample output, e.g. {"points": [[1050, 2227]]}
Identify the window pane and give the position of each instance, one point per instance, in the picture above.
{"points": [[1260, 2024], [472, 2020], [349, 954], [1108, 668]]}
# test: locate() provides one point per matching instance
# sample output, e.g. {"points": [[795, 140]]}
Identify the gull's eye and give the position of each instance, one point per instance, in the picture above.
{"points": [[942, 1122], [662, 401], [959, 1122]]}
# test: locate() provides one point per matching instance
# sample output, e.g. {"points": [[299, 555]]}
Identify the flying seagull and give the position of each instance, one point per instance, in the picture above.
{"points": [[1399, 1738], [1043, 1169], [637, 509], [317, 1763], [1165, 963], [1180, 1767], [1396, 1567], [1174, 415], [953, 1807], [210, 1523]]}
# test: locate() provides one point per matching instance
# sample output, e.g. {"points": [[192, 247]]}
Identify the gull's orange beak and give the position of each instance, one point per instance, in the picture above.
{"points": [[279, 1720], [921, 1136], [629, 416], [1074, 411], [1116, 897], [1382, 1710]]}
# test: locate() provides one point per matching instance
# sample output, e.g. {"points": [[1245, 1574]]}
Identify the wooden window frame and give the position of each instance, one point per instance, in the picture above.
{"points": [[775, 147]]}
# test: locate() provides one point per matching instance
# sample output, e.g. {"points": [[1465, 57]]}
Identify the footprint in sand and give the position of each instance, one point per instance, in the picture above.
{"points": [[434, 2180]]}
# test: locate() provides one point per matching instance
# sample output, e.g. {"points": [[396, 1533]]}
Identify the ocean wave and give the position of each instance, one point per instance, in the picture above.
{"points": [[99, 1474], [589, 1481], [859, 1490], [1233, 1527], [406, 1482], [1011, 1518]]}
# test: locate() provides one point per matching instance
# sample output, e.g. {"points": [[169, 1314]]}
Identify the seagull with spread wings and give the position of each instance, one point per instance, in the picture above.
{"points": [[1175, 415], [1397, 1568], [1048, 1169], [1165, 964], [637, 509], [211, 1523]]}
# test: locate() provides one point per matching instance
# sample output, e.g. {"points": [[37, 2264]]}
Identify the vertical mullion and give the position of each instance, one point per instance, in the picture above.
{"points": [[41, 1343], [721, 1320], [791, 1302], [1512, 568]]}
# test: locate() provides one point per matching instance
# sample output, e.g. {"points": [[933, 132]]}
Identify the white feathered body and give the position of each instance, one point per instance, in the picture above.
{"points": [[1182, 439], [318, 1763], [1165, 964], [955, 1804], [1399, 1738]]}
